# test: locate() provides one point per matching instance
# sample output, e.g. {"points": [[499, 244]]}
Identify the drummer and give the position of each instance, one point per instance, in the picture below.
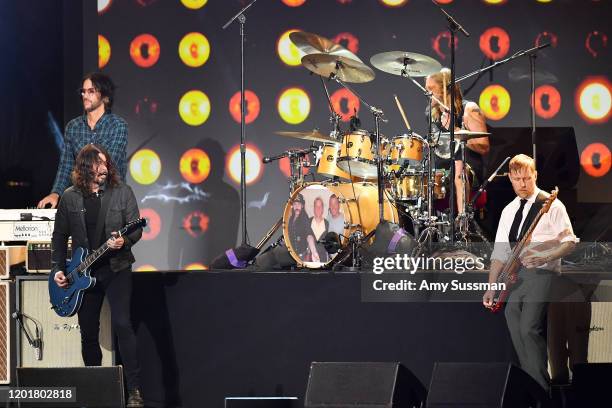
{"points": [[468, 117]]}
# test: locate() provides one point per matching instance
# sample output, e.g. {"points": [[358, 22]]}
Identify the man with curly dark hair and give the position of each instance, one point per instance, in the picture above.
{"points": [[91, 212]]}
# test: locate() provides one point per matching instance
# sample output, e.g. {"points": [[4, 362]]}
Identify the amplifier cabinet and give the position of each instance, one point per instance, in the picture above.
{"points": [[5, 334], [9, 256], [38, 259], [61, 336], [600, 333]]}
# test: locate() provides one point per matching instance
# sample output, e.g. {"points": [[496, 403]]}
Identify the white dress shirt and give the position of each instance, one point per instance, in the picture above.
{"points": [[554, 225]]}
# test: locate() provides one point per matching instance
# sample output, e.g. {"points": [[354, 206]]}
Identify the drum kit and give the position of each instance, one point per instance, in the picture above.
{"points": [[368, 178]]}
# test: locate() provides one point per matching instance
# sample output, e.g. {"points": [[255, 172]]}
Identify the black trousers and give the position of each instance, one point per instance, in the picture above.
{"points": [[526, 312], [118, 290]]}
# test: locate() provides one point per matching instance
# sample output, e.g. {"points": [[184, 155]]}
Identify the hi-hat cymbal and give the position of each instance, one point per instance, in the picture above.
{"points": [[345, 69], [310, 43], [466, 134], [313, 135], [406, 63]]}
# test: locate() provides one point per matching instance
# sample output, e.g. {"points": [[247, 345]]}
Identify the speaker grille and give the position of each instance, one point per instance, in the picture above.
{"points": [[351, 385], [5, 338]]}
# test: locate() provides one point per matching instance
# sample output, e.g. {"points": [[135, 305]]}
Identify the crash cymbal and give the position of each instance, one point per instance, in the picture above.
{"points": [[466, 134], [416, 65], [345, 69], [313, 135], [310, 43]]}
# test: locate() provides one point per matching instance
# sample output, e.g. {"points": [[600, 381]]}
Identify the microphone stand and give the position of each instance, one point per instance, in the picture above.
{"points": [[453, 27], [470, 205], [240, 16], [532, 52]]}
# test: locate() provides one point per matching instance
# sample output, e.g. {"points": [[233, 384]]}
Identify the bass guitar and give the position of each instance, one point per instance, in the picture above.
{"points": [[509, 273], [67, 301]]}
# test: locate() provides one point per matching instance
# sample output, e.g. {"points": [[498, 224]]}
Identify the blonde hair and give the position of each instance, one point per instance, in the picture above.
{"points": [[441, 78], [522, 161]]}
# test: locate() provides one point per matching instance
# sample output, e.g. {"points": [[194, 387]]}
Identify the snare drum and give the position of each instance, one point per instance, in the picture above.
{"points": [[356, 155], [358, 208], [409, 186], [406, 147]]}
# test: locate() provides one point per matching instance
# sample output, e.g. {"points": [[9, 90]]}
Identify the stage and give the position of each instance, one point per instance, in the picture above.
{"points": [[204, 336]]}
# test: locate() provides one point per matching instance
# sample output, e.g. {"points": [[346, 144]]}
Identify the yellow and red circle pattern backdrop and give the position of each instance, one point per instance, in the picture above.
{"points": [[182, 165]]}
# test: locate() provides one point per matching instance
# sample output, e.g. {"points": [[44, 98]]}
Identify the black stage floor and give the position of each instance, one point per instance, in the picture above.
{"points": [[204, 336]]}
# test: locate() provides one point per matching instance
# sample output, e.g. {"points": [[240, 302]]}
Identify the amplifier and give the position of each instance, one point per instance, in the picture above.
{"points": [[38, 259], [60, 336], [600, 333], [9, 256], [5, 334]]}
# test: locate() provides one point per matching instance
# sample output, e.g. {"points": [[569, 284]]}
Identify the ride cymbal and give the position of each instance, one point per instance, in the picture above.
{"points": [[310, 43], [405, 63], [343, 68], [313, 135]]}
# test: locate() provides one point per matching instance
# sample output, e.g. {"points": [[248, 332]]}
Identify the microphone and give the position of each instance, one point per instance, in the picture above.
{"points": [[355, 122], [487, 181], [403, 167], [331, 242], [302, 152], [452, 20], [37, 343]]}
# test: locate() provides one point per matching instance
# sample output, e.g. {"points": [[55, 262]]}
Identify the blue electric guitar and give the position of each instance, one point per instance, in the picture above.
{"points": [[67, 301]]}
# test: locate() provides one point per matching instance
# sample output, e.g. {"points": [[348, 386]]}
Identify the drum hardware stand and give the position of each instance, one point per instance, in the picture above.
{"points": [[356, 240], [466, 220], [378, 116], [269, 235], [466, 217], [296, 165], [334, 117], [240, 16], [430, 221], [453, 27]]}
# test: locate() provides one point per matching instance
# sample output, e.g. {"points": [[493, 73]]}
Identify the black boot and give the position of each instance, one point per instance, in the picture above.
{"points": [[135, 399]]}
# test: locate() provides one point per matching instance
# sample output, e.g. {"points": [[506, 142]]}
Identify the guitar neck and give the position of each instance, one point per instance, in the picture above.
{"points": [[95, 255], [91, 258], [514, 256]]}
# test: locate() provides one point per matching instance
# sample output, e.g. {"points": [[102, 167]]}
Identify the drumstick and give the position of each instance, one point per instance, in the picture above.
{"points": [[399, 106], [444, 89]]}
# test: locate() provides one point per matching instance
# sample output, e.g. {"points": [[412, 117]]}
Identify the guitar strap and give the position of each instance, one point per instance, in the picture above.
{"points": [[106, 199], [533, 212]]}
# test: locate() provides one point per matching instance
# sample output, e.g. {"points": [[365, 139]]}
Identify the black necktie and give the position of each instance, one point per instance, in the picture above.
{"points": [[518, 217]]}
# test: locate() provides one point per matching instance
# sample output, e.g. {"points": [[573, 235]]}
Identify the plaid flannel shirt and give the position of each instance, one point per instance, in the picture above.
{"points": [[111, 132]]}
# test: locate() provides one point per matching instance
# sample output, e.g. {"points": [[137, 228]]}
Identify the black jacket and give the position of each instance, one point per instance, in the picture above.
{"points": [[70, 222]]}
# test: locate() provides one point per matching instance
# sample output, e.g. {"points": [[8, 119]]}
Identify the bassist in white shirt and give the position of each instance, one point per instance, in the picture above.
{"points": [[552, 238]]}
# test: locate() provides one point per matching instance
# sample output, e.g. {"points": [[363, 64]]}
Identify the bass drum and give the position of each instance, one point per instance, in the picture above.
{"points": [[355, 206]]}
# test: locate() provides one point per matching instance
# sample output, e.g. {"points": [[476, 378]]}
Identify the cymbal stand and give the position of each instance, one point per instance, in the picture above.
{"points": [[465, 217], [378, 117], [297, 163], [430, 221], [334, 117]]}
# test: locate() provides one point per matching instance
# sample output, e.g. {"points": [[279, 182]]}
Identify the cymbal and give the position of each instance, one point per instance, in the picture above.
{"points": [[313, 135], [466, 134], [415, 65], [310, 43], [345, 69]]}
